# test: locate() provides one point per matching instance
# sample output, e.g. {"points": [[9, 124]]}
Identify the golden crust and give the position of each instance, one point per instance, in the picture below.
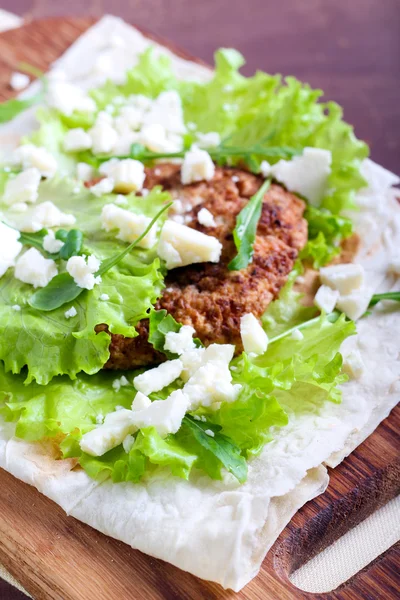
{"points": [[208, 296]]}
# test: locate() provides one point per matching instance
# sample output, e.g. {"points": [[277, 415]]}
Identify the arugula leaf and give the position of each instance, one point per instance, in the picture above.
{"points": [[245, 230], [34, 239], [219, 445], [72, 242], [385, 296], [62, 288]]}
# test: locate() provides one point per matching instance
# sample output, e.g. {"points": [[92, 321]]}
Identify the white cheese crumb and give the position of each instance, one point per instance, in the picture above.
{"points": [[156, 139], [354, 305], [209, 432], [19, 81], [82, 271], [197, 166], [297, 335], [180, 342], [46, 215], [129, 116], [353, 364], [166, 110], [84, 172], [120, 200], [344, 278], [140, 402], [326, 299], [67, 98], [10, 247], [104, 186], [306, 174], [208, 140], [235, 178], [77, 140], [265, 168], [156, 379], [206, 218], [71, 312], [99, 419], [196, 418], [130, 225], [117, 425], [104, 137], [23, 188], [33, 268], [120, 382], [29, 155], [165, 415], [128, 174], [16, 307], [104, 297], [50, 244], [211, 383], [180, 245], [128, 443], [253, 336]]}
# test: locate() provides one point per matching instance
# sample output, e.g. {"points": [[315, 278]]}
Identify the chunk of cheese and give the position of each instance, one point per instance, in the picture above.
{"points": [[33, 268], [156, 379], [254, 338], [129, 224], [77, 140], [197, 166], [10, 247], [180, 245], [82, 270], [23, 188], [344, 278], [326, 298]]}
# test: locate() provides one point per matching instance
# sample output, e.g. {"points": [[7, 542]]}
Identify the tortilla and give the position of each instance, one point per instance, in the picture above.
{"points": [[219, 530]]}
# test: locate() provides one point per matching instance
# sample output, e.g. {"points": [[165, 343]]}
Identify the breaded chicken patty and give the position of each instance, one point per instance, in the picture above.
{"points": [[208, 296]]}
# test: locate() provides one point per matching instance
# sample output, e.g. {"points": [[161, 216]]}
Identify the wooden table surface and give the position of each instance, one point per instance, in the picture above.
{"points": [[349, 48]]}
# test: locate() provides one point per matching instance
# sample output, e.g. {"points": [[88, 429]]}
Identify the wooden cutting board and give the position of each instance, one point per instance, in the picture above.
{"points": [[56, 557]]}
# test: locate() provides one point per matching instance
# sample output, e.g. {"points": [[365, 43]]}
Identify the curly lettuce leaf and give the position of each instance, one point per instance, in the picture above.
{"points": [[48, 343], [325, 232]]}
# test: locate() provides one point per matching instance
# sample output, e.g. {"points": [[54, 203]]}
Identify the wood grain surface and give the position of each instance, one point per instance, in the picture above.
{"points": [[56, 557]]}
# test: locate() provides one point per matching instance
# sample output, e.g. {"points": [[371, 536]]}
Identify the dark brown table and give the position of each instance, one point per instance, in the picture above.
{"points": [[349, 48]]}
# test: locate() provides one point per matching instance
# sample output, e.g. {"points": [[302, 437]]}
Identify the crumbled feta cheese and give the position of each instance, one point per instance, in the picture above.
{"points": [[124, 143], [19, 81], [165, 415], [121, 200], [130, 225], [235, 178], [156, 379], [297, 335], [33, 268], [104, 117], [46, 215], [166, 110], [209, 432], [118, 383], [326, 298], [104, 186], [19, 207], [10, 247], [191, 360], [128, 174], [129, 116], [353, 364], [117, 425], [306, 174], [71, 312], [156, 139], [128, 443], [50, 244], [208, 140], [206, 218], [99, 419], [77, 140], [22, 188], [104, 137], [140, 402], [180, 245], [29, 155], [140, 101], [197, 166], [180, 342], [211, 383], [84, 172], [344, 278], [66, 98], [253, 336], [354, 305], [104, 297], [82, 271], [16, 307], [265, 168]]}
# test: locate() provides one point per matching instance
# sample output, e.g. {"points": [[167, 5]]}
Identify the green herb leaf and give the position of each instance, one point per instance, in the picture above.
{"points": [[219, 445], [72, 244], [386, 296], [34, 239], [60, 290], [244, 233]]}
